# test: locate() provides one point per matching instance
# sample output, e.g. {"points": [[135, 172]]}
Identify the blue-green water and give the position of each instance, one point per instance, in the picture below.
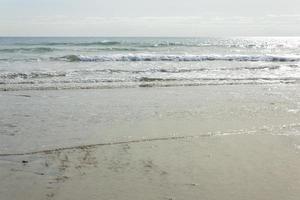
{"points": [[78, 63]]}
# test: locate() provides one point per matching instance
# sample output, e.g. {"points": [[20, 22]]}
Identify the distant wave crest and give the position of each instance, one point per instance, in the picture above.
{"points": [[28, 50], [158, 44], [100, 43]]}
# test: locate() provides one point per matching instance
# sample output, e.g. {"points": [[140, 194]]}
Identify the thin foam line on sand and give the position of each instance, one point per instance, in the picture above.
{"points": [[48, 151]]}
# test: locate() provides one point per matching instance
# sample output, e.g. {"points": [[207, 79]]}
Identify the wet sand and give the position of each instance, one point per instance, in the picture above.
{"points": [[214, 142]]}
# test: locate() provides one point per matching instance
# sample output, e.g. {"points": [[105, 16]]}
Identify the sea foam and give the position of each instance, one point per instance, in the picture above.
{"points": [[179, 58]]}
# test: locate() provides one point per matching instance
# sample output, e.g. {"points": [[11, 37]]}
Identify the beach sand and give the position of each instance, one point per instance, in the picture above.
{"points": [[209, 142]]}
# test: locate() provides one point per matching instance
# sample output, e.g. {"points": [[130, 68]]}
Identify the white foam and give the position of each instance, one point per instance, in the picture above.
{"points": [[157, 57]]}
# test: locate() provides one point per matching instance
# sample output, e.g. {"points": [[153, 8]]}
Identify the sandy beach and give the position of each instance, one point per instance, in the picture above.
{"points": [[149, 100], [209, 142]]}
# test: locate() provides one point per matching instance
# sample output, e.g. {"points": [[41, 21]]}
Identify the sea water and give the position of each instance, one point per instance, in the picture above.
{"points": [[82, 63]]}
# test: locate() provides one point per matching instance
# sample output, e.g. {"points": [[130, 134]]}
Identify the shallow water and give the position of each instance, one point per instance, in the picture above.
{"points": [[42, 120]]}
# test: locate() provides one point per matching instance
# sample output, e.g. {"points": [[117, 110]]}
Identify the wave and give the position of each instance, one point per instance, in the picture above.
{"points": [[122, 43], [142, 82], [96, 72], [48, 49], [155, 44], [148, 75], [29, 50], [100, 43], [216, 80], [114, 49], [178, 58], [184, 70], [181, 44], [16, 59], [32, 75]]}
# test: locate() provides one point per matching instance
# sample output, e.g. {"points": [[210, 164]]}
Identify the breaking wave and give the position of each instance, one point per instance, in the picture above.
{"points": [[135, 72], [178, 58]]}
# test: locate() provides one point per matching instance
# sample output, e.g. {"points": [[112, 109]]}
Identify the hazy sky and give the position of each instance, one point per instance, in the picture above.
{"points": [[150, 17]]}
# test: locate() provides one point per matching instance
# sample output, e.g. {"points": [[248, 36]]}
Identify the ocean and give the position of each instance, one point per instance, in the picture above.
{"points": [[47, 63]]}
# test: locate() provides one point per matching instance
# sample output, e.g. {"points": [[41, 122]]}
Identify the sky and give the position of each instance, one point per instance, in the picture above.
{"points": [[174, 18]]}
